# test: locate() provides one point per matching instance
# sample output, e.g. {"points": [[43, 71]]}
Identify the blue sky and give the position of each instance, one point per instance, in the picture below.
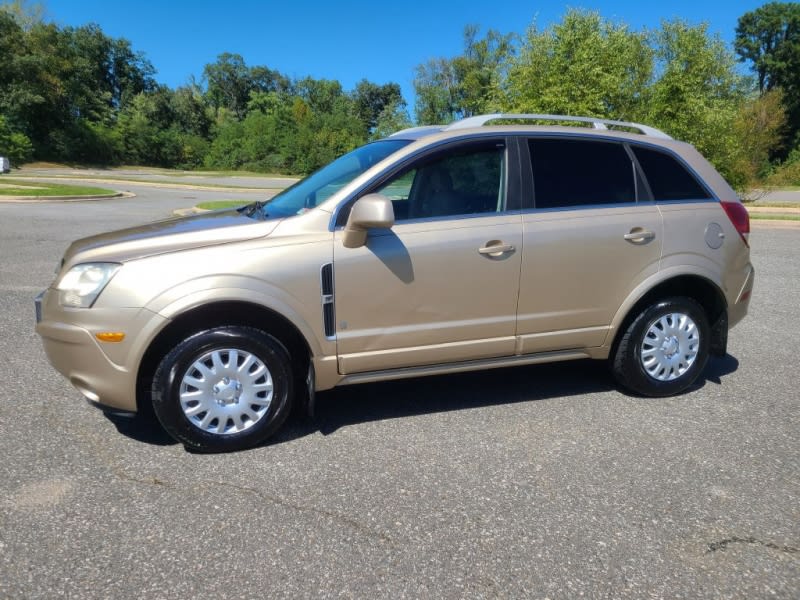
{"points": [[344, 39]]}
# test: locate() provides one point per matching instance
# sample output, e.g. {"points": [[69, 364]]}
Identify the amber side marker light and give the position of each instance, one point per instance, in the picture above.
{"points": [[110, 336]]}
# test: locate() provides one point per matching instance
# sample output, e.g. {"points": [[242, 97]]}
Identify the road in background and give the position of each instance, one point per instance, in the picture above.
{"points": [[198, 178], [780, 196], [541, 481]]}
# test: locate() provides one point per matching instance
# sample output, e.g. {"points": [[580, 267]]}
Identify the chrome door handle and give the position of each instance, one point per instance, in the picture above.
{"points": [[496, 249], [639, 235]]}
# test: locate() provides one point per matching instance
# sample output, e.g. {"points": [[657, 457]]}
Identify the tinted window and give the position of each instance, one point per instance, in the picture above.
{"points": [[461, 182], [578, 172], [668, 179]]}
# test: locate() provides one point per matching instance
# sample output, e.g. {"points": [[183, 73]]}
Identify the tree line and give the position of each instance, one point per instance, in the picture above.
{"points": [[74, 94], [678, 78]]}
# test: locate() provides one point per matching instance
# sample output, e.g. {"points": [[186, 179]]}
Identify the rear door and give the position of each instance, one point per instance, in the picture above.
{"points": [[587, 241]]}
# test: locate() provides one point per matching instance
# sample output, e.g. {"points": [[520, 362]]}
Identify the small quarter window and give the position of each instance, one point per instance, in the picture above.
{"points": [[668, 179], [569, 172]]}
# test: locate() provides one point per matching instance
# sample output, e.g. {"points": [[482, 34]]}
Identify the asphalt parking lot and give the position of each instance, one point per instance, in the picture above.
{"points": [[540, 482]]}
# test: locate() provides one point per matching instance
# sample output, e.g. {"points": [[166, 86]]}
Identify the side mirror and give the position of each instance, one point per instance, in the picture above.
{"points": [[373, 211]]}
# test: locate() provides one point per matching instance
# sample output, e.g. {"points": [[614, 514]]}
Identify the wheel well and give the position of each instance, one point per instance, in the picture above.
{"points": [[701, 290], [215, 315]]}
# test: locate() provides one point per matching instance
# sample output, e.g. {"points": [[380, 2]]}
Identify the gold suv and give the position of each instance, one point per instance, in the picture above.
{"points": [[436, 250]]}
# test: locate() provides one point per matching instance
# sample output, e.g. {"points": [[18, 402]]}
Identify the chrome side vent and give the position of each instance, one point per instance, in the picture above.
{"points": [[328, 312]]}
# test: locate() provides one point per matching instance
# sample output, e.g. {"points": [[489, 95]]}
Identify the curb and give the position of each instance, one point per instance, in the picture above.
{"points": [[188, 212], [774, 220], [773, 224], [41, 199]]}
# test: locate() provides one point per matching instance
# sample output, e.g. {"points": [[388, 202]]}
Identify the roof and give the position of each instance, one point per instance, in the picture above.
{"points": [[415, 133]]}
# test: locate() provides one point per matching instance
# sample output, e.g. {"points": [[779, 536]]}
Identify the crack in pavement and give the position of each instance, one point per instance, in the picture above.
{"points": [[723, 544], [342, 519]]}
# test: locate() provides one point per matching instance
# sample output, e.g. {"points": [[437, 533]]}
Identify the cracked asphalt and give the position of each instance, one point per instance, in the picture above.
{"points": [[536, 482]]}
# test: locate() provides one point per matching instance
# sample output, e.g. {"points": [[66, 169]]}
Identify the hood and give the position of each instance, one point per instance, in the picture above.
{"points": [[182, 233]]}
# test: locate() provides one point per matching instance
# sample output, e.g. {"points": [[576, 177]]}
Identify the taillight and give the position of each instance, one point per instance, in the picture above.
{"points": [[739, 217]]}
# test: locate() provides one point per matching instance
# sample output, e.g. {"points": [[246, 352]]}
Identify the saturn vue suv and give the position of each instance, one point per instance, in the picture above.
{"points": [[436, 250]]}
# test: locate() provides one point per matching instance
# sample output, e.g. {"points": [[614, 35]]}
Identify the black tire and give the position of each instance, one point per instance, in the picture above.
{"points": [[240, 430], [656, 380]]}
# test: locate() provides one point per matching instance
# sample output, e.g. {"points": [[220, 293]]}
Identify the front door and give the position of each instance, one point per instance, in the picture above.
{"points": [[441, 286]]}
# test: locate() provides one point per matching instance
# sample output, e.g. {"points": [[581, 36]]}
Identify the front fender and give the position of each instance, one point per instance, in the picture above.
{"points": [[207, 290]]}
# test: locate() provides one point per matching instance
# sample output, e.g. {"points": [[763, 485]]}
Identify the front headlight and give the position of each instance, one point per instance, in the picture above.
{"points": [[82, 284]]}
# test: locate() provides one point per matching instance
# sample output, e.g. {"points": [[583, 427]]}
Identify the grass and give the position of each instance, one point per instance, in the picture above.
{"points": [[773, 204], [15, 187], [161, 170], [134, 179], [759, 203], [785, 188], [217, 204], [774, 217]]}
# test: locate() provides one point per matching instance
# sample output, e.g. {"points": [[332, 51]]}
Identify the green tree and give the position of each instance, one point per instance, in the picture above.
{"points": [[14, 145], [698, 93], [393, 118], [190, 112], [436, 88], [229, 83], [480, 68], [25, 13], [264, 79], [769, 38], [453, 88], [584, 65], [131, 72], [758, 127], [62, 87], [321, 95], [372, 99]]}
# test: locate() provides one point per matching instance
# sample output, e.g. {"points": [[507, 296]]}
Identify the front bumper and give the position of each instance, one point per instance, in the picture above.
{"points": [[105, 373]]}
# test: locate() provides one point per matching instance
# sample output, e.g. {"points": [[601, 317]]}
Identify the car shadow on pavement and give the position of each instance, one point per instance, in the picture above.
{"points": [[718, 367], [351, 405], [142, 428]]}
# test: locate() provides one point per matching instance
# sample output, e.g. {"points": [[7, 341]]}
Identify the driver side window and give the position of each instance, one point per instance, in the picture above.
{"points": [[469, 180]]}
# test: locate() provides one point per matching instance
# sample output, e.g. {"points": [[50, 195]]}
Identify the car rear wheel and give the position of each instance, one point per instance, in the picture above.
{"points": [[223, 389], [664, 349]]}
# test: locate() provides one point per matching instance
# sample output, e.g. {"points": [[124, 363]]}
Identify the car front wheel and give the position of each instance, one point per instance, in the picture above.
{"points": [[664, 349], [223, 389]]}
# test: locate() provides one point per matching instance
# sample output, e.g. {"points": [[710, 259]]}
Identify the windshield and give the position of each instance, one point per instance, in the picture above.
{"points": [[321, 185]]}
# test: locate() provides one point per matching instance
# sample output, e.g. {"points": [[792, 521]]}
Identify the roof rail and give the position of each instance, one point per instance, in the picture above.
{"points": [[418, 131], [479, 120]]}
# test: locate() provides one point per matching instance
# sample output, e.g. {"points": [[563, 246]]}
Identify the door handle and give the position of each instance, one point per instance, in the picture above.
{"points": [[496, 248], [638, 235]]}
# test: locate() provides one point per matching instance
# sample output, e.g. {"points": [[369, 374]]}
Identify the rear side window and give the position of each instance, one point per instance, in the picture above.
{"points": [[580, 172], [668, 179]]}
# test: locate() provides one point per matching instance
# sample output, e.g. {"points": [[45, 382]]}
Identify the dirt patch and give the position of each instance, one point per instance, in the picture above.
{"points": [[39, 494]]}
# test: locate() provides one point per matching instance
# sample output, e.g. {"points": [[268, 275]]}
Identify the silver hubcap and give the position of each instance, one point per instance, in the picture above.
{"points": [[670, 346], [226, 391]]}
